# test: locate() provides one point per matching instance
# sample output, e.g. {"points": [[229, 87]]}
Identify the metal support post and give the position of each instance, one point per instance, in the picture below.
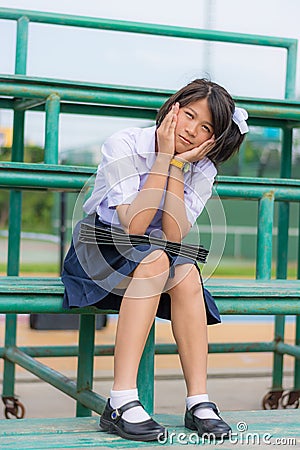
{"points": [[52, 109], [146, 373], [282, 250], [85, 369], [15, 209], [264, 237]]}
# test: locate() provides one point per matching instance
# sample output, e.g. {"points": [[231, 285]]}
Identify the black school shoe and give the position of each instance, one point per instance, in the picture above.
{"points": [[111, 420], [216, 427]]}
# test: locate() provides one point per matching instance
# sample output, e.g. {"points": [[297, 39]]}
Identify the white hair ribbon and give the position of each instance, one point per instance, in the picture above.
{"points": [[239, 117]]}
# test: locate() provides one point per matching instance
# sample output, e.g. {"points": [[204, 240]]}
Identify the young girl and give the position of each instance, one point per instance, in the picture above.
{"points": [[156, 181]]}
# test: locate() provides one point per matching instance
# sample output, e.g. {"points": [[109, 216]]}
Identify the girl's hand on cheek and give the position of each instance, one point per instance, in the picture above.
{"points": [[166, 132], [198, 153]]}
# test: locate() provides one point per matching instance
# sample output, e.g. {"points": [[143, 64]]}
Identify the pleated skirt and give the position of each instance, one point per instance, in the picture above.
{"points": [[92, 274]]}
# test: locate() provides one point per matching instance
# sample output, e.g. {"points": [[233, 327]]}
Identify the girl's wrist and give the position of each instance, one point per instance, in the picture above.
{"points": [[164, 157], [176, 173]]}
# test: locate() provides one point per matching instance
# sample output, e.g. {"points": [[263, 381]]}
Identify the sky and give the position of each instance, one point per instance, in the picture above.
{"points": [[158, 62]]}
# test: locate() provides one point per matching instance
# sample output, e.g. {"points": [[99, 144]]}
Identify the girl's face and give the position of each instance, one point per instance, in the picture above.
{"points": [[194, 126]]}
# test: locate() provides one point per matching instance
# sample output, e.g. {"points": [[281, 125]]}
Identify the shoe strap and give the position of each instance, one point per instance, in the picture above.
{"points": [[204, 405], [117, 413], [129, 405]]}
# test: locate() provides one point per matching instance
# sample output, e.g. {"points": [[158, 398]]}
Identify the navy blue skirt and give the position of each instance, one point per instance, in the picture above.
{"points": [[92, 273]]}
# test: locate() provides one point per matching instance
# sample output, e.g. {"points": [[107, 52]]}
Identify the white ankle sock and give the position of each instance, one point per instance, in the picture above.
{"points": [[120, 398], [202, 413]]}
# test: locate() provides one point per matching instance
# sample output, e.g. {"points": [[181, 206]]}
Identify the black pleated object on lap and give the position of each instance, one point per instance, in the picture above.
{"points": [[90, 234]]}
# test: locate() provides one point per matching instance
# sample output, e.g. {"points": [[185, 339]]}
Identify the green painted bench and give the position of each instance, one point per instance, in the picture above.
{"points": [[234, 296], [104, 99], [44, 295], [251, 429]]}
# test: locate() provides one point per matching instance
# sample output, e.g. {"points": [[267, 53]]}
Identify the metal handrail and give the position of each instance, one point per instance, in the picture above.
{"points": [[165, 30]]}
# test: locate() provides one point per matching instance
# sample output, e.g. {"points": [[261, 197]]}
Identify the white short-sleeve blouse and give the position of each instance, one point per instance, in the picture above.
{"points": [[127, 158]]}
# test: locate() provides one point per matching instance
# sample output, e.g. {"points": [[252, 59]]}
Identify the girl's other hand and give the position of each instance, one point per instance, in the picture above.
{"points": [[166, 132], [197, 153]]}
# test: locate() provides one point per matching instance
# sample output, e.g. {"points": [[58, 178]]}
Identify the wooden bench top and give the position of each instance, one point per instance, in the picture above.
{"points": [[264, 426]]}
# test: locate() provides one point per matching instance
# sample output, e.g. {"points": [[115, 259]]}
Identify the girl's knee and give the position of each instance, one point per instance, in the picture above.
{"points": [[187, 280], [156, 263]]}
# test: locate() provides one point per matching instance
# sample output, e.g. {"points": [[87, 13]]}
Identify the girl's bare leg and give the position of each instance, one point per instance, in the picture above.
{"points": [[189, 326], [190, 332], [137, 313]]}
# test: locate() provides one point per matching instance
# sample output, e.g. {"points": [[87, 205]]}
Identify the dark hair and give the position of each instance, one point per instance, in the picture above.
{"points": [[228, 137]]}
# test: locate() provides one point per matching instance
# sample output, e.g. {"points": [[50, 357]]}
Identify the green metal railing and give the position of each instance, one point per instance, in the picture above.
{"points": [[22, 93], [157, 30]]}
